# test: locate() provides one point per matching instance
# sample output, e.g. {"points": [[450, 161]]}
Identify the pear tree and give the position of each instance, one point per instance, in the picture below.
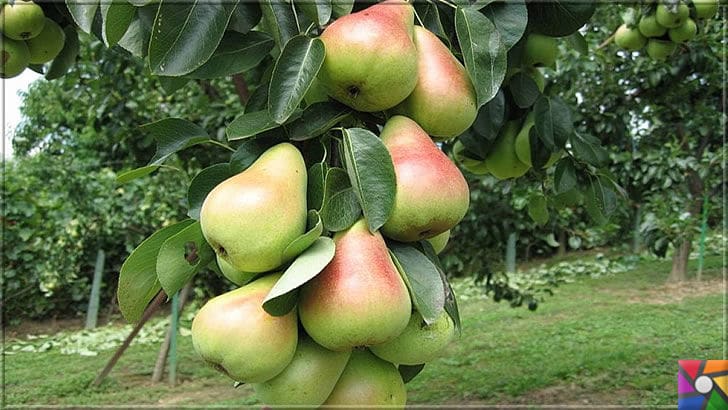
{"points": [[340, 171]]}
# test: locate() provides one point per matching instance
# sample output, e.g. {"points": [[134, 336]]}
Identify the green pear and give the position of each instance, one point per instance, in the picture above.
{"points": [[439, 242], [21, 20], [308, 380], [48, 44], [234, 334], [523, 144], [14, 57], [540, 50], [502, 160], [668, 19], [684, 33], [368, 381], [432, 194], [443, 102], [659, 49], [472, 165], [419, 342], [629, 38], [649, 27], [371, 60], [233, 275], [250, 218], [359, 299], [705, 8]]}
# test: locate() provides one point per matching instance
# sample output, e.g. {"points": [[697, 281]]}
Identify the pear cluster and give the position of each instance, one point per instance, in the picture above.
{"points": [[28, 37], [354, 323], [667, 25]]}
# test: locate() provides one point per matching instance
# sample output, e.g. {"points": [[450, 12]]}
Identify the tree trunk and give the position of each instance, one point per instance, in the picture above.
{"points": [[164, 350], [562, 243], [680, 262]]}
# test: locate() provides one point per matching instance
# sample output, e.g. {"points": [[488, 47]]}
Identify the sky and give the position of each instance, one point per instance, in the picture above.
{"points": [[11, 106]]}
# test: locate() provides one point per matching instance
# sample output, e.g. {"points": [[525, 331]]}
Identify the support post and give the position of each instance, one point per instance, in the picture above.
{"points": [[173, 340], [703, 234], [511, 253], [92, 313]]}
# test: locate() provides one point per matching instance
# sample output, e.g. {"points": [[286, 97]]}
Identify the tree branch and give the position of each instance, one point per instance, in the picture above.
{"points": [[242, 88]]}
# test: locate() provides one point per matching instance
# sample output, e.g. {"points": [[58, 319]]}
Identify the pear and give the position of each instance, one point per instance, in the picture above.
{"points": [[419, 342], [234, 334], [21, 20], [432, 194], [629, 38], [359, 299], [649, 27], [668, 19], [443, 102], [250, 218], [540, 50], [308, 380], [371, 60], [439, 242], [684, 32], [502, 160], [233, 275], [48, 44], [368, 381], [14, 57], [523, 144], [659, 49], [705, 8]]}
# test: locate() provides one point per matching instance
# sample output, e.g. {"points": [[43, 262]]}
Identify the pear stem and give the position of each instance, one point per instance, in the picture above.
{"points": [[220, 144], [447, 3], [607, 41]]}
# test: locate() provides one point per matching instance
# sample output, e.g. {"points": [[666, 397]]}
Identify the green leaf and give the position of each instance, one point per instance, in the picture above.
{"points": [[293, 74], [341, 8], [553, 122], [409, 372], [537, 209], [116, 16], [249, 151], [173, 135], [599, 200], [489, 121], [246, 16], [185, 35], [319, 11], [483, 51], [316, 182], [422, 278], [83, 12], [280, 21], [171, 84], [371, 173], [564, 176], [524, 90], [202, 184], [181, 256], [451, 304], [135, 173], [589, 150], [236, 53], [578, 43], [510, 18], [250, 124], [340, 205], [138, 282], [317, 119], [430, 16], [310, 263], [559, 18], [300, 244], [67, 57]]}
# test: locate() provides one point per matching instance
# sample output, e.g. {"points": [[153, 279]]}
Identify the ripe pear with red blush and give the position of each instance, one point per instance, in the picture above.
{"points": [[371, 60], [235, 335], [443, 102], [432, 194], [359, 299]]}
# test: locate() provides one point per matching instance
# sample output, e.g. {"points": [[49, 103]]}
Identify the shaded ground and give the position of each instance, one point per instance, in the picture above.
{"points": [[614, 340]]}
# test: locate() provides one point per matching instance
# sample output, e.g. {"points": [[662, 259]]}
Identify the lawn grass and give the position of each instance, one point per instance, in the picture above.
{"points": [[613, 340]]}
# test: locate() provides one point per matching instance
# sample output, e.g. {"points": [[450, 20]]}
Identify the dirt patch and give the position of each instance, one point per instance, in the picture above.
{"points": [[45, 327], [573, 395], [675, 292]]}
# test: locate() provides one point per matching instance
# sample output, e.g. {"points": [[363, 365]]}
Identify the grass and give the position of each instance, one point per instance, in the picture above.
{"points": [[613, 340]]}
